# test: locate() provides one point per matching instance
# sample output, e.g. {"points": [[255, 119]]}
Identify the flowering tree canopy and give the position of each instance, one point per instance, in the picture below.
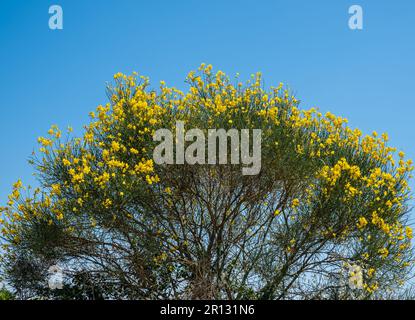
{"points": [[326, 216]]}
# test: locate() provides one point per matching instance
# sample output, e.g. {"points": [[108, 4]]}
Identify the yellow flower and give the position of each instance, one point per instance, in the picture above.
{"points": [[18, 184], [134, 151], [89, 137], [362, 223], [105, 154], [45, 142], [384, 252], [408, 232], [115, 146], [56, 189], [295, 203], [370, 272], [107, 203], [15, 194]]}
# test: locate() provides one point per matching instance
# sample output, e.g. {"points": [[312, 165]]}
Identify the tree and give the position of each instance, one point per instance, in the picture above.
{"points": [[326, 217]]}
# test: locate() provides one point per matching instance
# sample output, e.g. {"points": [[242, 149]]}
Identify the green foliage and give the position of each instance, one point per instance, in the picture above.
{"points": [[6, 295]]}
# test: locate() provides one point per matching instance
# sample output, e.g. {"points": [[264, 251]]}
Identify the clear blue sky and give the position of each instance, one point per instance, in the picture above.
{"points": [[57, 77]]}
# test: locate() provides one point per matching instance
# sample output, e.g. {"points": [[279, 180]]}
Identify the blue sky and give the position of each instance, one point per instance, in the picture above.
{"points": [[56, 77]]}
